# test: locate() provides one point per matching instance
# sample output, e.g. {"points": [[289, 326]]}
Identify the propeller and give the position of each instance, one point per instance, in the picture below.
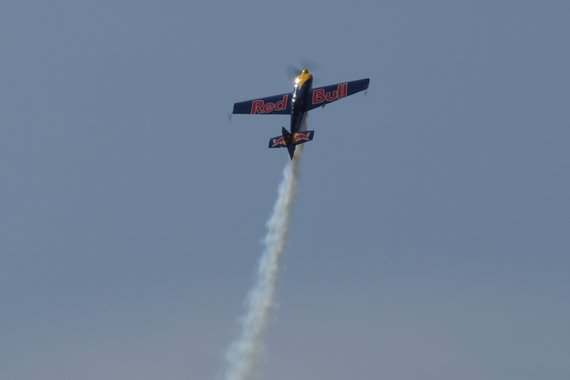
{"points": [[311, 65], [293, 70]]}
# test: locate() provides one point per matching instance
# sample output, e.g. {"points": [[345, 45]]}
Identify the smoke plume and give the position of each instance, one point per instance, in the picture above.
{"points": [[244, 355]]}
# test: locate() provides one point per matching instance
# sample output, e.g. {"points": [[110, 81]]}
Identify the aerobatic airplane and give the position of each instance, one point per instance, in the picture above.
{"points": [[303, 99]]}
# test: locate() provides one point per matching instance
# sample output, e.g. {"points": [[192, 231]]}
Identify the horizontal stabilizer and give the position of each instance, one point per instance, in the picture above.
{"points": [[291, 139], [302, 137]]}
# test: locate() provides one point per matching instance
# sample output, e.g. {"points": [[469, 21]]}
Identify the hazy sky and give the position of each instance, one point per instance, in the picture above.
{"points": [[431, 237]]}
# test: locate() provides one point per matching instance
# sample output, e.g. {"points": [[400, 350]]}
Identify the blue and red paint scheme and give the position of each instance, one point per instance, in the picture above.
{"points": [[303, 99]]}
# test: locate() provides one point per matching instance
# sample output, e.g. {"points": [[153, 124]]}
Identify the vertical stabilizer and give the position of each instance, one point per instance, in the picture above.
{"points": [[289, 142]]}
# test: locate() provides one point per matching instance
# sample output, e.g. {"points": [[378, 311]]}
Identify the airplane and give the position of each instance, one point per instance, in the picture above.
{"points": [[303, 99]]}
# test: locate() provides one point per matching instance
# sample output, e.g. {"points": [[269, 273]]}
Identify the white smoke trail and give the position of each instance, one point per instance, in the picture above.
{"points": [[244, 355]]}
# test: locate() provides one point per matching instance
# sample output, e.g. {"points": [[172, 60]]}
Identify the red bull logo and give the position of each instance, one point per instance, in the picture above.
{"points": [[261, 107], [277, 142], [321, 96], [302, 137]]}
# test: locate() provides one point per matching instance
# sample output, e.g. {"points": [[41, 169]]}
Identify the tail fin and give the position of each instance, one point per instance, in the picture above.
{"points": [[289, 140]]}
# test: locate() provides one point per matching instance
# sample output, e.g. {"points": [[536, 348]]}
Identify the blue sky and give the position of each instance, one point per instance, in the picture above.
{"points": [[431, 233]]}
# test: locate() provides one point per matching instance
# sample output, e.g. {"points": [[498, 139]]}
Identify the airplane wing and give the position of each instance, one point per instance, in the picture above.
{"points": [[324, 95], [271, 105]]}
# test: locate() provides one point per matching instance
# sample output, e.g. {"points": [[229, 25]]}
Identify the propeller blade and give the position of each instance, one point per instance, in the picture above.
{"points": [[292, 72], [311, 65]]}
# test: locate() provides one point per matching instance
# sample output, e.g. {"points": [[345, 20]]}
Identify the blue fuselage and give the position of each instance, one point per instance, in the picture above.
{"points": [[299, 103]]}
